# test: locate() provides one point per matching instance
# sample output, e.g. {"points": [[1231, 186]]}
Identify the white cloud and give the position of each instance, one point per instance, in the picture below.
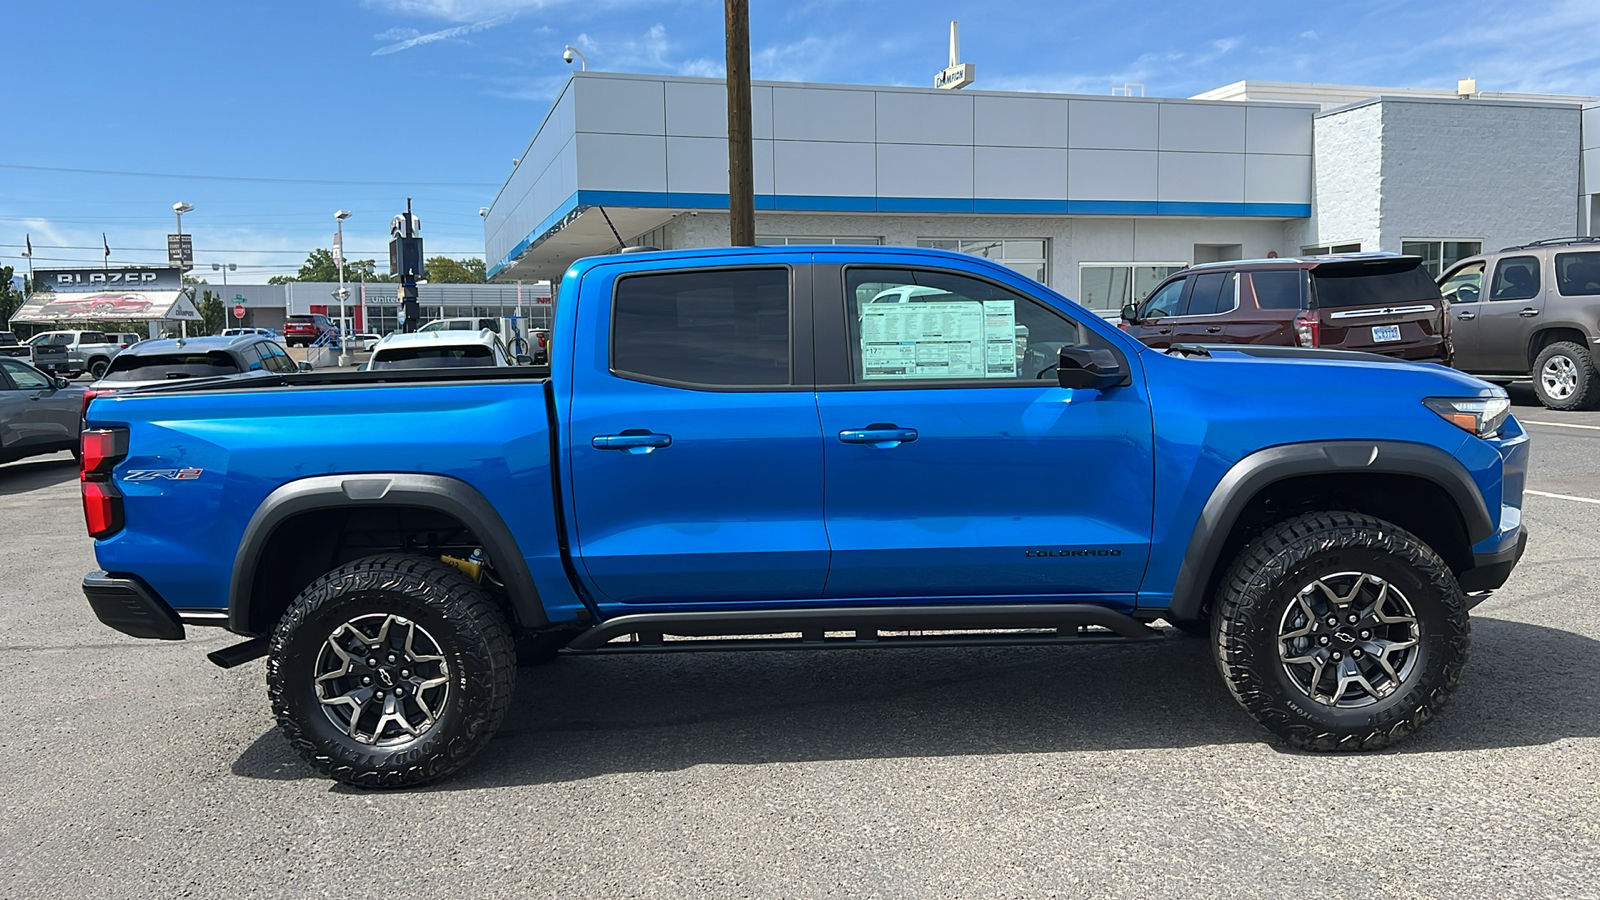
{"points": [[397, 34], [462, 10], [448, 33]]}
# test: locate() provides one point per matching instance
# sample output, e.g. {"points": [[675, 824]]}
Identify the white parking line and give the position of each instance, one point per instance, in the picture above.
{"points": [[1563, 497], [1562, 425]]}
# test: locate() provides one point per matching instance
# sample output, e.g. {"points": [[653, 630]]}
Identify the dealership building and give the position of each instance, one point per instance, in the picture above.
{"points": [[1099, 197]]}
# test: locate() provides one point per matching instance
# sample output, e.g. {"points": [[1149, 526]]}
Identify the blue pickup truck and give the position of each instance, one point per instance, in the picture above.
{"points": [[808, 448]]}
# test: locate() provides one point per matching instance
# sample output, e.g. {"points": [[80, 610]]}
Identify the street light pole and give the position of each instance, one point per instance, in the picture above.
{"points": [[344, 345], [178, 209]]}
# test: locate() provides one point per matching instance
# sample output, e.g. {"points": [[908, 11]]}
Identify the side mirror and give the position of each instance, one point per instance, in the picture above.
{"points": [[62, 382], [305, 366], [1091, 368], [524, 359], [1130, 313]]}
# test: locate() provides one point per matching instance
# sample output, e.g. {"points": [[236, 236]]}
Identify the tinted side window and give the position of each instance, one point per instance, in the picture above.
{"points": [[1381, 282], [1207, 297], [924, 325], [720, 328], [1516, 278], [1164, 302], [277, 359], [1277, 290], [1578, 274], [92, 337]]}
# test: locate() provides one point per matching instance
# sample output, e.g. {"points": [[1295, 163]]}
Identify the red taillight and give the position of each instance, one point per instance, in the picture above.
{"points": [[542, 338], [102, 508], [87, 396], [1307, 329], [101, 450]]}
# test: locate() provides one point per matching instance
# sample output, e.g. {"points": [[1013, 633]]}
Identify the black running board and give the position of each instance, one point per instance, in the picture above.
{"points": [[239, 654], [1010, 625]]}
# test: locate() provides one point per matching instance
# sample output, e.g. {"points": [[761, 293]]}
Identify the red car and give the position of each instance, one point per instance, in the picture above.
{"points": [[1372, 302], [97, 304], [303, 331]]}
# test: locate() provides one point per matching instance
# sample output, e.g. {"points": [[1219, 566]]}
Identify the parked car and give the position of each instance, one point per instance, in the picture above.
{"points": [[264, 332], [713, 460], [1538, 316], [303, 331], [461, 325], [39, 412], [126, 338], [166, 361], [10, 346], [437, 350], [1373, 302], [364, 342], [87, 351]]}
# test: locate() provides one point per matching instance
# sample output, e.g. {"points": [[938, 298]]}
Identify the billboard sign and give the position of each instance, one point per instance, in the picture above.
{"points": [[127, 278], [180, 251]]}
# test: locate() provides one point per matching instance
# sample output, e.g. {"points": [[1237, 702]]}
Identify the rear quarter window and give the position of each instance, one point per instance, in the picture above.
{"points": [[1578, 274], [1279, 290], [1372, 284]]}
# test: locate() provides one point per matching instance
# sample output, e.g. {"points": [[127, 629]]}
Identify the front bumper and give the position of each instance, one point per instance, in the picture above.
{"points": [[1490, 570], [131, 607]]}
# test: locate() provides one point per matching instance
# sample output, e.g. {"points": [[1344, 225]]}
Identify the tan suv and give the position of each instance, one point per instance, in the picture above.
{"points": [[1372, 302], [1538, 315]]}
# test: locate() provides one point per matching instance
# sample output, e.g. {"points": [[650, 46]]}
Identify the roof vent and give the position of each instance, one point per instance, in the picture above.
{"points": [[1466, 87]]}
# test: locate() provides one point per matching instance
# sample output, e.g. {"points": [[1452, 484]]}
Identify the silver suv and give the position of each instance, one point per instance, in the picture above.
{"points": [[1531, 310], [87, 351]]}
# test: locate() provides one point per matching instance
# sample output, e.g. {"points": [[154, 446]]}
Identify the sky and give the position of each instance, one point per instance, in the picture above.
{"points": [[269, 116]]}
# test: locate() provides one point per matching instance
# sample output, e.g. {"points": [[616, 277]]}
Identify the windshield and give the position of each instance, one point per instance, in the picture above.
{"points": [[7, 338], [433, 357], [1372, 284], [170, 366]]}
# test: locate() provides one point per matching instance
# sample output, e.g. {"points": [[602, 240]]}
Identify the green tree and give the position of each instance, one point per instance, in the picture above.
{"points": [[319, 266], [444, 270], [10, 297], [213, 315]]}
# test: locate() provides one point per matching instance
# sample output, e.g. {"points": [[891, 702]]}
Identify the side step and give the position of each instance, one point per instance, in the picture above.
{"points": [[1053, 623]]}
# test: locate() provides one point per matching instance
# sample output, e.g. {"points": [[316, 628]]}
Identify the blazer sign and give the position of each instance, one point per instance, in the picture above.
{"points": [[100, 279]]}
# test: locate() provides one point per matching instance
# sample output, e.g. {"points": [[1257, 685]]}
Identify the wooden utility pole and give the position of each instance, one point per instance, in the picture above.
{"points": [[741, 153]]}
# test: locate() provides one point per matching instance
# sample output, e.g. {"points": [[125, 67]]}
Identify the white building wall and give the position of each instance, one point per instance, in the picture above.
{"points": [[1348, 178], [1072, 239]]}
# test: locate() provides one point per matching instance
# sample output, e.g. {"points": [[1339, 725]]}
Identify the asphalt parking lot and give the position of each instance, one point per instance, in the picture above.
{"points": [[137, 769]]}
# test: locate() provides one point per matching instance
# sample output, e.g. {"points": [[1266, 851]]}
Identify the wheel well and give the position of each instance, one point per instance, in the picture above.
{"points": [[1550, 336], [305, 546], [1416, 504]]}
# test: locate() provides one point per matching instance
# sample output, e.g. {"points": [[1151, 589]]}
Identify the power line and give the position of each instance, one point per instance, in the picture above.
{"points": [[211, 252], [251, 179]]}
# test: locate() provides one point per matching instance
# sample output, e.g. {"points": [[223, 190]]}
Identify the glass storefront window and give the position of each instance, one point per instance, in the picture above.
{"points": [[1028, 256], [1440, 255], [1115, 285]]}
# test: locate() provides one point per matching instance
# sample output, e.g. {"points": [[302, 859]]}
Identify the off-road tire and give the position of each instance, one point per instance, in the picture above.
{"points": [[1586, 394], [457, 615], [541, 647], [98, 367], [1264, 581]]}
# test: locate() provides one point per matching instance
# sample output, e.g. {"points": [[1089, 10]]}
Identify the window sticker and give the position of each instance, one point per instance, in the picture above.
{"points": [[963, 339]]}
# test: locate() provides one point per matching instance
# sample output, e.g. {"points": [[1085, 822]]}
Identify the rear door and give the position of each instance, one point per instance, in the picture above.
{"points": [[1389, 306], [695, 452], [956, 464], [1270, 299], [1204, 317], [1507, 319]]}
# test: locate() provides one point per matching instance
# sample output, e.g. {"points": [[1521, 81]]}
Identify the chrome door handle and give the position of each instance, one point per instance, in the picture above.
{"points": [[1528, 313], [635, 442], [1467, 315], [879, 435], [1213, 329]]}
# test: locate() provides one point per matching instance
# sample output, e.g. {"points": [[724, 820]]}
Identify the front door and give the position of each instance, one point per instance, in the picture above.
{"points": [[1206, 310], [1158, 314], [1462, 290], [33, 414], [1507, 319], [956, 464], [696, 457]]}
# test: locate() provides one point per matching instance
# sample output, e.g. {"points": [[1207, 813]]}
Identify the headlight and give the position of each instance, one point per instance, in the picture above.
{"points": [[1481, 416]]}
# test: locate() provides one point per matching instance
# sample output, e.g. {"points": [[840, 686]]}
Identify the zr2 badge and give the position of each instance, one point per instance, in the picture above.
{"points": [[162, 474]]}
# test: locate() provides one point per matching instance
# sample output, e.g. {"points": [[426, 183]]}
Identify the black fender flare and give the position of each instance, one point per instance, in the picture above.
{"points": [[436, 492], [1249, 476]]}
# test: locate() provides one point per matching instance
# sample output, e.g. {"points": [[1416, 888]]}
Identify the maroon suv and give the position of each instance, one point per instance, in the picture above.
{"points": [[1373, 302]]}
